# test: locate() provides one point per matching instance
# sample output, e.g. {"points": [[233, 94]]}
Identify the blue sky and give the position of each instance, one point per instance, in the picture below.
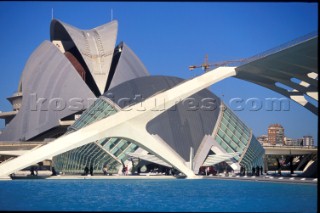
{"points": [[168, 37]]}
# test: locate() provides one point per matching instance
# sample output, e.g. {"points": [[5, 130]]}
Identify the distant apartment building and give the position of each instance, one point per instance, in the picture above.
{"points": [[308, 140], [291, 141], [276, 134], [300, 141], [263, 139]]}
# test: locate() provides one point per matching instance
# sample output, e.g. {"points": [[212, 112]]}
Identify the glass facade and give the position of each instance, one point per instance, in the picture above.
{"points": [[107, 151], [234, 136], [253, 155], [100, 109], [74, 161]]}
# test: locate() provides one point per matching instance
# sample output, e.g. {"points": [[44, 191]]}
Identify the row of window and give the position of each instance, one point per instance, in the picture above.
{"points": [[236, 122], [107, 151], [118, 147], [232, 134], [74, 161], [253, 156], [98, 110]]}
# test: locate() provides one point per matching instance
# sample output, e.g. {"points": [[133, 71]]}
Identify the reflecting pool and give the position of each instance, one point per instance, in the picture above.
{"points": [[157, 195]]}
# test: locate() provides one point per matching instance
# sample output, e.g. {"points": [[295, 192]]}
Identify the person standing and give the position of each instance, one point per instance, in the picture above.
{"points": [[54, 173], [32, 171], [105, 170], [91, 170], [241, 171], [86, 170], [124, 170], [36, 170], [207, 171]]}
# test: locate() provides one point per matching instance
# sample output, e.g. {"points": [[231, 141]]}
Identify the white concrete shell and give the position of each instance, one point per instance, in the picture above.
{"points": [[126, 66], [130, 123], [49, 75], [96, 46], [188, 121], [48, 94], [291, 70]]}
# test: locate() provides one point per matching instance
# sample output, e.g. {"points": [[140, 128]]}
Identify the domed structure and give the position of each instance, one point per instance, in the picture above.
{"points": [[99, 105], [214, 135], [51, 102]]}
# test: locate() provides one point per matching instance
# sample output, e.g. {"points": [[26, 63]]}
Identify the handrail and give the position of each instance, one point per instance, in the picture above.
{"points": [[292, 147]]}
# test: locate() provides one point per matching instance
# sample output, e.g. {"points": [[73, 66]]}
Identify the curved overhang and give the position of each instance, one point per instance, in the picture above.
{"points": [[96, 46], [49, 94], [290, 71]]}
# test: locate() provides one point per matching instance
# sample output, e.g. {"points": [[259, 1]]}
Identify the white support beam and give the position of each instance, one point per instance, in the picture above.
{"points": [[132, 118], [313, 95], [299, 99]]}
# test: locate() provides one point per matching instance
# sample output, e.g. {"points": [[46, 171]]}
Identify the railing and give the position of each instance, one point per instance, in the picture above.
{"points": [[22, 143], [293, 147]]}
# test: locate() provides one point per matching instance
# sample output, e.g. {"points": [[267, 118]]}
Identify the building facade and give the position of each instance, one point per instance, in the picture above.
{"points": [[291, 142], [276, 134], [81, 77], [308, 140], [215, 135], [263, 140]]}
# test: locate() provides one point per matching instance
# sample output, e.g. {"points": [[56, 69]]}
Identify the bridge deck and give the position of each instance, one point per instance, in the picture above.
{"points": [[290, 150]]}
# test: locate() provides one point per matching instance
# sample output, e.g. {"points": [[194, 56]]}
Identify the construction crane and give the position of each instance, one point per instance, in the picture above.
{"points": [[206, 65]]}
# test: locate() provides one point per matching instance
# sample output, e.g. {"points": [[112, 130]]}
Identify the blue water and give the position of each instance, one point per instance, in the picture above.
{"points": [[156, 195]]}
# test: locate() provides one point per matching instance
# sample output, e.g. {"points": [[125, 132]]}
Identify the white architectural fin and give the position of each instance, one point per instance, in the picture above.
{"points": [[150, 158]]}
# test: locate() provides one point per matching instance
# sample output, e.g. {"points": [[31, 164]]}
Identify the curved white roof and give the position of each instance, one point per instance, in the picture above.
{"points": [[290, 71], [48, 79], [96, 46]]}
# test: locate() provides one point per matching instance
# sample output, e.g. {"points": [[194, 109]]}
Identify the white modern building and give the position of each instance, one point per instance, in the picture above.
{"points": [[308, 140], [100, 107]]}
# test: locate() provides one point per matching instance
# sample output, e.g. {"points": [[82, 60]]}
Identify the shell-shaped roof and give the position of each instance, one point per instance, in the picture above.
{"points": [[49, 94], [86, 65], [128, 66], [96, 46]]}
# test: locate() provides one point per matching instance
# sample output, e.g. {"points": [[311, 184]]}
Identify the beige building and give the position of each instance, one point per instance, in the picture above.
{"points": [[263, 139], [308, 140], [291, 141], [276, 134]]}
